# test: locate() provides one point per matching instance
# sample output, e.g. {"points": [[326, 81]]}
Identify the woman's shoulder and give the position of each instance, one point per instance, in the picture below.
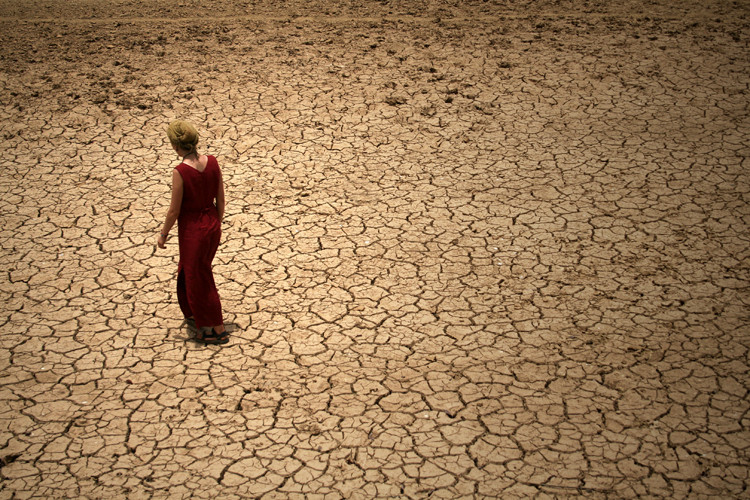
{"points": [[211, 160]]}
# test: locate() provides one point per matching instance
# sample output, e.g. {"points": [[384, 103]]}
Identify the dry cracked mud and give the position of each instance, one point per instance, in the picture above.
{"points": [[472, 249]]}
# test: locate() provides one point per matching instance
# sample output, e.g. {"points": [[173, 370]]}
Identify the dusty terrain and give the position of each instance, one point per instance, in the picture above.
{"points": [[472, 249]]}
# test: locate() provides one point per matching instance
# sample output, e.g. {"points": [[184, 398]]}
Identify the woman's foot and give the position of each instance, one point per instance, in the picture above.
{"points": [[191, 322], [212, 337]]}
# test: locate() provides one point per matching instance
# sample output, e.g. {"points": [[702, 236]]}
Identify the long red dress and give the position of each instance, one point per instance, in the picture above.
{"points": [[199, 232]]}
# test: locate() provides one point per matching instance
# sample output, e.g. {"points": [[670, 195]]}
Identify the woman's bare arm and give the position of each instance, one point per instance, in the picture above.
{"points": [[220, 201], [174, 207]]}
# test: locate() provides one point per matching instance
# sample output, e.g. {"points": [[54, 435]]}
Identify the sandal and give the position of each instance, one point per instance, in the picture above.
{"points": [[213, 337]]}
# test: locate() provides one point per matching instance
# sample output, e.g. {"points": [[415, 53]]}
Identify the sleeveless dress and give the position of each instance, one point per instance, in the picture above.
{"points": [[199, 232]]}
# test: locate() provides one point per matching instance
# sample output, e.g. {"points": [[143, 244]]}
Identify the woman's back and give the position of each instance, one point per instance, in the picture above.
{"points": [[199, 188]]}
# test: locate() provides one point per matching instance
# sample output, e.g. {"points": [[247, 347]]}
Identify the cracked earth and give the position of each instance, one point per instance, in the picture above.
{"points": [[475, 249]]}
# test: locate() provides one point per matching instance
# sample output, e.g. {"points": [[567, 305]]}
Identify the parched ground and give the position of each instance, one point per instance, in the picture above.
{"points": [[472, 249]]}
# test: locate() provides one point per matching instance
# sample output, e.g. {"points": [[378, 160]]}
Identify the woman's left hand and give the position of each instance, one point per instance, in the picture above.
{"points": [[160, 241]]}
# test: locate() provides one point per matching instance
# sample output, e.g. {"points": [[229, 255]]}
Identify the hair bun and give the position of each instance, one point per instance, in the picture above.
{"points": [[183, 135]]}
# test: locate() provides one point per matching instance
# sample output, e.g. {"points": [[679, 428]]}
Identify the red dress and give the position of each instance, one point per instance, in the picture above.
{"points": [[199, 232]]}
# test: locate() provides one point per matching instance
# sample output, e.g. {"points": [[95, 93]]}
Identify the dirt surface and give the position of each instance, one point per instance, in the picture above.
{"points": [[471, 249]]}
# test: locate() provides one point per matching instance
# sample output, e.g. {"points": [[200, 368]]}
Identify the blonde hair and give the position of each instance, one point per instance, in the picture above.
{"points": [[183, 135]]}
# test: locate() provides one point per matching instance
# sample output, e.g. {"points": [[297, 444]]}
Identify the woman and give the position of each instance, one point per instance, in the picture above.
{"points": [[198, 207]]}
